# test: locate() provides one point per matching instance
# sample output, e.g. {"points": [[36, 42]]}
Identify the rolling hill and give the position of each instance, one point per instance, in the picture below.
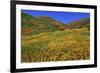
{"points": [[35, 25], [82, 23]]}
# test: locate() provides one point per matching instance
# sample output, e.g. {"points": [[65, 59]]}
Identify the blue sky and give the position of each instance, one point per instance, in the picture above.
{"points": [[64, 17]]}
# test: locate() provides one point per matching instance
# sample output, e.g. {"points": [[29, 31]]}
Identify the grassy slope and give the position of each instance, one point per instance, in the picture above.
{"points": [[56, 46], [35, 25], [84, 22]]}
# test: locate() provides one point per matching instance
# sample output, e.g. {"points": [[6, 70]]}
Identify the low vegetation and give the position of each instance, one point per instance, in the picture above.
{"points": [[45, 39], [70, 44]]}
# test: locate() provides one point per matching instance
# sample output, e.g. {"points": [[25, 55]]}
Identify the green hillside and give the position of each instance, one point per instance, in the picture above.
{"points": [[34, 25], [82, 23], [57, 24]]}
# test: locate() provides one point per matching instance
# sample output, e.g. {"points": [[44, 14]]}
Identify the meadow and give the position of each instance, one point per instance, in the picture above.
{"points": [[66, 45]]}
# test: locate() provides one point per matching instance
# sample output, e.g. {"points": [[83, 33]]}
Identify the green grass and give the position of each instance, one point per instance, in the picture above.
{"points": [[56, 46]]}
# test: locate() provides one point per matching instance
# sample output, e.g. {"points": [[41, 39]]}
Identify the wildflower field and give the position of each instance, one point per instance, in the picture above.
{"points": [[69, 44]]}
